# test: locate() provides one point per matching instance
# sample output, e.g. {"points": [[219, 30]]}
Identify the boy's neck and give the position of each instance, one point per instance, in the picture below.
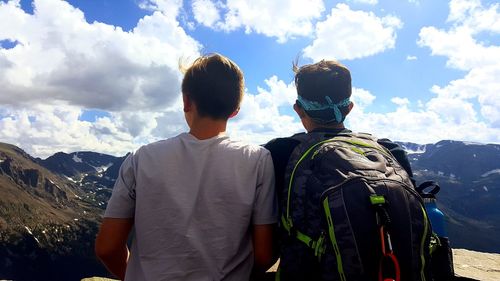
{"points": [[205, 128], [313, 126]]}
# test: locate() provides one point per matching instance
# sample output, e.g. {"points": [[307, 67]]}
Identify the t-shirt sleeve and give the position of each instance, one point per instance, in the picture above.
{"points": [[265, 209], [122, 201]]}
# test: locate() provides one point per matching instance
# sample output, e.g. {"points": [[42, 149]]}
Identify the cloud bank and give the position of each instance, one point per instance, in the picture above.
{"points": [[63, 65], [467, 108], [60, 66]]}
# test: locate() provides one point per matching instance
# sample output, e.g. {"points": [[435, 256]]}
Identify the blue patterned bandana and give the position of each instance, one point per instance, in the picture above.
{"points": [[308, 105]]}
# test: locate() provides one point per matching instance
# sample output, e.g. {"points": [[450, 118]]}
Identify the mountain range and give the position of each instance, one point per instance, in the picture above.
{"points": [[469, 176], [48, 223], [50, 208]]}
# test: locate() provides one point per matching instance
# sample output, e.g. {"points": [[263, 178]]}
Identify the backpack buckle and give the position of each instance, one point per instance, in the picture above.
{"points": [[381, 214], [378, 200]]}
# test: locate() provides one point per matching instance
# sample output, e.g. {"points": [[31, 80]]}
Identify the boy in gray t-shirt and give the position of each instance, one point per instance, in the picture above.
{"points": [[200, 206]]}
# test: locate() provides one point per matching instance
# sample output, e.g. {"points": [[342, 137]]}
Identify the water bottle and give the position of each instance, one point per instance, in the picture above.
{"points": [[435, 215], [442, 258]]}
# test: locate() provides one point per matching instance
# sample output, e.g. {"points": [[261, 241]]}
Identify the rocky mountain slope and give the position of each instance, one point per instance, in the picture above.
{"points": [[469, 176], [47, 224], [94, 173]]}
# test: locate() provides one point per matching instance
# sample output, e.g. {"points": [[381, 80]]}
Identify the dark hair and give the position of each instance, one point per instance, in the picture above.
{"points": [[215, 84], [323, 79]]}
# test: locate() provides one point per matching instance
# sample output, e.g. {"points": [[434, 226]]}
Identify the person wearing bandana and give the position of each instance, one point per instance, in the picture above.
{"points": [[323, 103]]}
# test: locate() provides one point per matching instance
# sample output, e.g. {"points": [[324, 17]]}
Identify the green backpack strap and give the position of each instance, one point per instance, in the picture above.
{"points": [[317, 245]]}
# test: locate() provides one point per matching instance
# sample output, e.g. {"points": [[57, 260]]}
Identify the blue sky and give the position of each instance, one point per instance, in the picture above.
{"points": [[103, 75]]}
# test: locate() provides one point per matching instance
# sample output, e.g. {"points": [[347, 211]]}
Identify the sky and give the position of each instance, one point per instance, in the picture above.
{"points": [[103, 75]]}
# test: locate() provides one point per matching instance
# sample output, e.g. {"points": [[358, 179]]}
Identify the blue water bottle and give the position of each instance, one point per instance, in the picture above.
{"points": [[442, 258], [435, 215]]}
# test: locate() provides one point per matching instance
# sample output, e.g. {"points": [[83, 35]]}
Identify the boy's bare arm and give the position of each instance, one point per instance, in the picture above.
{"points": [[263, 246], [111, 244]]}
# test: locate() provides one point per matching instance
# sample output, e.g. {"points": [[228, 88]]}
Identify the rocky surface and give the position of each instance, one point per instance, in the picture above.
{"points": [[476, 265], [469, 264]]}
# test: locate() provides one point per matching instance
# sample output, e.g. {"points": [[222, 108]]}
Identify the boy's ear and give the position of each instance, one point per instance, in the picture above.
{"points": [[234, 113], [187, 103], [299, 111], [351, 105]]}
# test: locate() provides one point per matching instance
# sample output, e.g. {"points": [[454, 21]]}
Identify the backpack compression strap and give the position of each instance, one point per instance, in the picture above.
{"points": [[317, 245]]}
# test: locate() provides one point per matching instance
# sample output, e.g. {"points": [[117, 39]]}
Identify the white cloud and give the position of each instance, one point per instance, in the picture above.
{"points": [[452, 113], [361, 98], [426, 126], [282, 19], [400, 101], [408, 57], [43, 130], [459, 43], [348, 34], [261, 117], [205, 12], [264, 116], [62, 57], [459, 46], [481, 84], [169, 8], [463, 51], [268, 114], [63, 65], [473, 15]]}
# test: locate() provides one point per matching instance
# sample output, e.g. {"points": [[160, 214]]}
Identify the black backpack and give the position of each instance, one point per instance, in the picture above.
{"points": [[351, 212]]}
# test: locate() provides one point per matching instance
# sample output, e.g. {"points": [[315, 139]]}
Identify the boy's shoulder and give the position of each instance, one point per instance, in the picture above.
{"points": [[158, 145], [222, 144], [158, 149], [246, 148], [283, 145]]}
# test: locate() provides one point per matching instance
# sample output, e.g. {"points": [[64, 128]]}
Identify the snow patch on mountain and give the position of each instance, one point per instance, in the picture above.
{"points": [[76, 158], [492, 172], [472, 143], [419, 150], [102, 169], [411, 148], [70, 179]]}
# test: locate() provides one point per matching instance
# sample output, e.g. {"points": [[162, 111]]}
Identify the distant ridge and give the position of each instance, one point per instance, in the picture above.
{"points": [[469, 175]]}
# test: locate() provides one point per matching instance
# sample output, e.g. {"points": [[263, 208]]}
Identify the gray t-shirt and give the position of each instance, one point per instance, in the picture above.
{"points": [[193, 203]]}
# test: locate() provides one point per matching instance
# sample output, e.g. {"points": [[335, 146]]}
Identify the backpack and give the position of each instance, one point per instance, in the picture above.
{"points": [[350, 212]]}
